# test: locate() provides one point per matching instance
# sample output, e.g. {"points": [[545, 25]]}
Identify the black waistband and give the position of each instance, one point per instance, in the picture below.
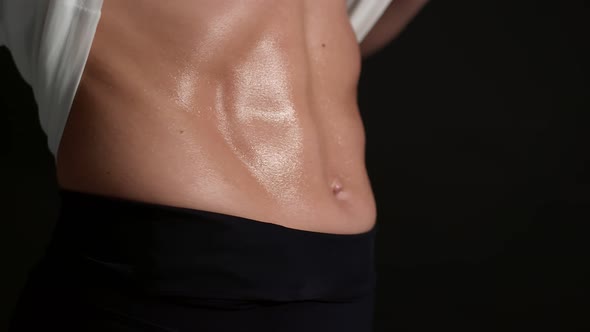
{"points": [[167, 250]]}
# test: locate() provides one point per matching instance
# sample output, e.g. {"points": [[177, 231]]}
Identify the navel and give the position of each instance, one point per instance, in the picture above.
{"points": [[338, 189]]}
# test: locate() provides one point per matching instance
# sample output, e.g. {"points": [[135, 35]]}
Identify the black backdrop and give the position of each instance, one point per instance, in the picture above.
{"points": [[477, 121]]}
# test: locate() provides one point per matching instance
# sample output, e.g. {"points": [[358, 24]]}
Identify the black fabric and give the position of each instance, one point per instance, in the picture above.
{"points": [[122, 265]]}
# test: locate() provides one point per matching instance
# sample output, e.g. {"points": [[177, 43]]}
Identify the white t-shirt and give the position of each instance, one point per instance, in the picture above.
{"points": [[50, 41]]}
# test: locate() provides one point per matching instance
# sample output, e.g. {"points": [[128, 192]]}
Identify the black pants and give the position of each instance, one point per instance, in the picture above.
{"points": [[121, 265]]}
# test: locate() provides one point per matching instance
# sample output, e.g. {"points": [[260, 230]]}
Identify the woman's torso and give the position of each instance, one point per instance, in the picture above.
{"points": [[244, 108]]}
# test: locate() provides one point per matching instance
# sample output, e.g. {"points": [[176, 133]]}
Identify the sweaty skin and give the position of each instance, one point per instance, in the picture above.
{"points": [[246, 108]]}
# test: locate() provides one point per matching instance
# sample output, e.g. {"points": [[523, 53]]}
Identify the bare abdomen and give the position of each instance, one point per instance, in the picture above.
{"points": [[245, 114]]}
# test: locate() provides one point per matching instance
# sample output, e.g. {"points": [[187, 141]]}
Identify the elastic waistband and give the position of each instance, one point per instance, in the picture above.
{"points": [[174, 251]]}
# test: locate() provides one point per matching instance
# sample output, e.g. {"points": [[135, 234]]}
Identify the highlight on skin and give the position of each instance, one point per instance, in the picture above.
{"points": [[185, 90], [257, 119]]}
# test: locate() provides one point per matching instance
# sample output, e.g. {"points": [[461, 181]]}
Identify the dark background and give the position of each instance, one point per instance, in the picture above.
{"points": [[477, 120]]}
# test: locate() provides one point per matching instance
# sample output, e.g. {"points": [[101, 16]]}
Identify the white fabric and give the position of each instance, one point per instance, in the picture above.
{"points": [[364, 14], [50, 41]]}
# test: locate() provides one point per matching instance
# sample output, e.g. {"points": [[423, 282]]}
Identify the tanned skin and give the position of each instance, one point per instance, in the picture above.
{"points": [[247, 108]]}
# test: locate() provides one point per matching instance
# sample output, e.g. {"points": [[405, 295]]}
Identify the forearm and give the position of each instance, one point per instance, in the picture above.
{"points": [[391, 24]]}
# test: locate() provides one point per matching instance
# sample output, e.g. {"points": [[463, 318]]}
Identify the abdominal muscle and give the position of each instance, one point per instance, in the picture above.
{"points": [[245, 108]]}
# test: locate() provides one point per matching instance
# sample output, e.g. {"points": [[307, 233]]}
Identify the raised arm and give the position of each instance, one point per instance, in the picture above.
{"points": [[393, 21]]}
